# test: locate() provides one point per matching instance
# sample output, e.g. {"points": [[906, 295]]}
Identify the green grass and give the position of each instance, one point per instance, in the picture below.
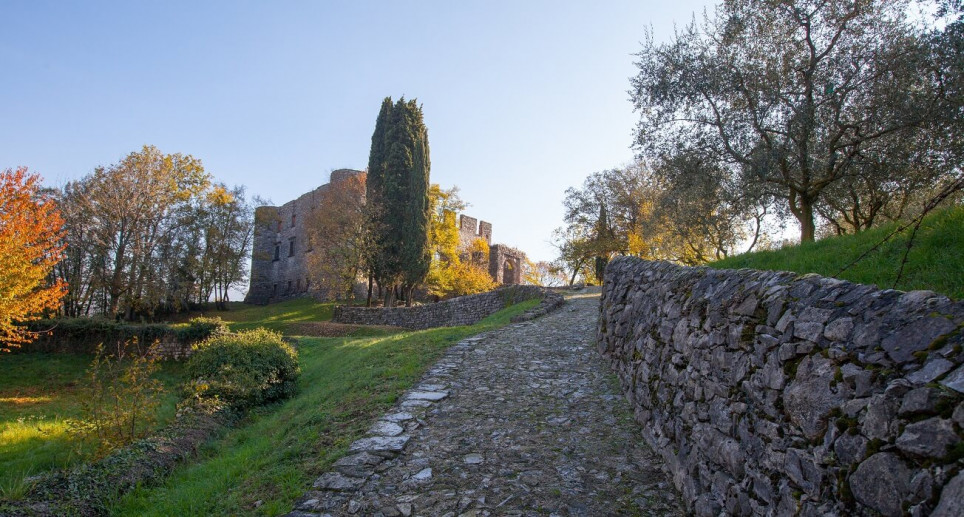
{"points": [[39, 395], [262, 466], [275, 316], [936, 261]]}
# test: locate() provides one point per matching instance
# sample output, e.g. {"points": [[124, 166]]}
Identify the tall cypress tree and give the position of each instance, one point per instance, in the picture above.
{"points": [[398, 182]]}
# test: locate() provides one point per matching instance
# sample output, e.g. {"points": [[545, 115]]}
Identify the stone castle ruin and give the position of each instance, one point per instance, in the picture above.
{"points": [[279, 269]]}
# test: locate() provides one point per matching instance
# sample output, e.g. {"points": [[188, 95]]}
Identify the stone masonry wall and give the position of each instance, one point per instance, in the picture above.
{"points": [[464, 310], [770, 393], [505, 264], [278, 257]]}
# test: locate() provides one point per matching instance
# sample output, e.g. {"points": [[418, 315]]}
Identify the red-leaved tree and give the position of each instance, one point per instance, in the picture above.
{"points": [[30, 246]]}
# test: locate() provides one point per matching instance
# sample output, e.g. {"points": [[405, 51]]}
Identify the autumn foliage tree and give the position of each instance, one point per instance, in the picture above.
{"points": [[676, 209], [30, 246], [151, 235], [457, 268], [545, 274], [337, 237]]}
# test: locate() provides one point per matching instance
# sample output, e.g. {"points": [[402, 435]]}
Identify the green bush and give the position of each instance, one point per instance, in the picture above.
{"points": [[244, 369], [201, 328]]}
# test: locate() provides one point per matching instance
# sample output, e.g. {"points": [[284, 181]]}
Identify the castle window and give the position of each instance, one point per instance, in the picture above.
{"points": [[274, 291], [279, 226], [277, 252], [291, 247], [298, 288], [289, 286], [293, 216]]}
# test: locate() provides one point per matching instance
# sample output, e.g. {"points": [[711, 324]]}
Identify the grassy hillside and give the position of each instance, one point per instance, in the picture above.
{"points": [[263, 465], [936, 261], [39, 395]]}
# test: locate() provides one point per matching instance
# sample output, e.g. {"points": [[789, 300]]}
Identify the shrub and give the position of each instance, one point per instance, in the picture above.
{"points": [[244, 369], [201, 328], [120, 398]]}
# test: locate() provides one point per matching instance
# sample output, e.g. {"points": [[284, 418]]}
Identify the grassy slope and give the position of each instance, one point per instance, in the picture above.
{"points": [[936, 261], [39, 393], [276, 316], [264, 465]]}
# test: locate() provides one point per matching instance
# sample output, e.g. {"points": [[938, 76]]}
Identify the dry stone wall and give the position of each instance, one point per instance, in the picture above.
{"points": [[770, 393], [464, 310]]}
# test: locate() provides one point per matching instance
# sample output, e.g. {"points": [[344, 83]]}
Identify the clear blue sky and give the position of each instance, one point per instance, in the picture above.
{"points": [[522, 98]]}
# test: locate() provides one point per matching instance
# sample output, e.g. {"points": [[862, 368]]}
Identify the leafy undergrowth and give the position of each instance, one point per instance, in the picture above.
{"points": [[935, 262], [263, 465], [39, 395]]}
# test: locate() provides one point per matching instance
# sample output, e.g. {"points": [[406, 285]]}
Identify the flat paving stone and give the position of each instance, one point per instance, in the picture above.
{"points": [[432, 396], [337, 482], [379, 443], [382, 428], [398, 417], [532, 423]]}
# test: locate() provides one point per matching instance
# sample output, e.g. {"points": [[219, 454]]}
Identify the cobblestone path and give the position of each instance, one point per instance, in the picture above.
{"points": [[525, 420]]}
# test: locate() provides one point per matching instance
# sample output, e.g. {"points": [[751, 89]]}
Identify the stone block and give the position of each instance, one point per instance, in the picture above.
{"points": [[839, 329], [952, 498], [881, 411], [929, 438], [955, 380], [932, 369], [882, 482], [850, 448], [920, 400], [810, 397]]}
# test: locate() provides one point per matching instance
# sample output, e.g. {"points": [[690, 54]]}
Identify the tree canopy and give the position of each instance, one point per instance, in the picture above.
{"points": [[30, 244], [397, 199], [151, 234], [337, 237], [810, 102], [457, 268]]}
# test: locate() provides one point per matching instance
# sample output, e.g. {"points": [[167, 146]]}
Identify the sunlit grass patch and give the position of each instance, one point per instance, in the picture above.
{"points": [[275, 316], [935, 261], [40, 395], [25, 401]]}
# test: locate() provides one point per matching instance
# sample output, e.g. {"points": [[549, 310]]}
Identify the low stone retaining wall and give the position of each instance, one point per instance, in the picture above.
{"points": [[166, 346], [551, 301], [464, 310], [770, 393]]}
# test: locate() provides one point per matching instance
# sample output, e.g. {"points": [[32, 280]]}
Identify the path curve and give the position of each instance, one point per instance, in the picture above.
{"points": [[525, 420]]}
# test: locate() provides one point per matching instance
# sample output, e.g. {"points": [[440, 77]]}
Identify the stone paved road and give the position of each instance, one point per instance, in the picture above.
{"points": [[525, 420]]}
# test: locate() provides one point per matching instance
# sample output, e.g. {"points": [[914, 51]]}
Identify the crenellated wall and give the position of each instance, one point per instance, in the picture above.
{"points": [[770, 393]]}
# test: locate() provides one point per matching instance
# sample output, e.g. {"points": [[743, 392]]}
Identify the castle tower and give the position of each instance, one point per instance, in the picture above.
{"points": [[278, 257]]}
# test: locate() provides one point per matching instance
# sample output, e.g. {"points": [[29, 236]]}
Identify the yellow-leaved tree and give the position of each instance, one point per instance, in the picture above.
{"points": [[30, 246], [454, 271]]}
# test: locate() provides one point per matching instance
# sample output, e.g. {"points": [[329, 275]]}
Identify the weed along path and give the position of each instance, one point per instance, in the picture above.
{"points": [[524, 420]]}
